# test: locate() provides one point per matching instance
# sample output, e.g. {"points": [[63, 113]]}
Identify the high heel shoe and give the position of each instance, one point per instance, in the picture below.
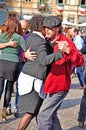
{"points": [[3, 114], [81, 124]]}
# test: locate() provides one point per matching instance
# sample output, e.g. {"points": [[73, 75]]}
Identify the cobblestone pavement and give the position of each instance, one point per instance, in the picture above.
{"points": [[67, 114]]}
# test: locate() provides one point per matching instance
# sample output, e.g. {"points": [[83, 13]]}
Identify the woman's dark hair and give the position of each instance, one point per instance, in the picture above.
{"points": [[36, 22], [76, 30], [12, 26]]}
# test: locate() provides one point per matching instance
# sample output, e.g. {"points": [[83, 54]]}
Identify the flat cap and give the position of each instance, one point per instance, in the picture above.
{"points": [[51, 21]]}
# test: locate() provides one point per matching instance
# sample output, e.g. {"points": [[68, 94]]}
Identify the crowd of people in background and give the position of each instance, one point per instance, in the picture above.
{"points": [[79, 39], [42, 57]]}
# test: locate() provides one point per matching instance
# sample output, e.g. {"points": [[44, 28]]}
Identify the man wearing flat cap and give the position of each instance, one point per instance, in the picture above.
{"points": [[58, 81], [52, 21]]}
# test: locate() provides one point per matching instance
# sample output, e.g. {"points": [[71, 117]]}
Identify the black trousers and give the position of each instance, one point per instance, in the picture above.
{"points": [[7, 92]]}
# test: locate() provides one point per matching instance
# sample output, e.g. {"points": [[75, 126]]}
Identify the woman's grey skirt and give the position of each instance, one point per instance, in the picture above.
{"points": [[30, 102]]}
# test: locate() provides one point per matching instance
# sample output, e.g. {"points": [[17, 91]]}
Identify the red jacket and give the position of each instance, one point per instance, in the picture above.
{"points": [[59, 76]]}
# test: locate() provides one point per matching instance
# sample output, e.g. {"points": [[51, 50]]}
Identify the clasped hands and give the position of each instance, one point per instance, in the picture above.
{"points": [[63, 46]]}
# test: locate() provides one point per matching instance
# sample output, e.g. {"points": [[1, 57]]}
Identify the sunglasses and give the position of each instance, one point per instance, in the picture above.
{"points": [[25, 29]]}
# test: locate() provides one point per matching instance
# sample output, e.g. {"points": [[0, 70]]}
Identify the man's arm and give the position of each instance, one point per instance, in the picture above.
{"points": [[64, 47], [32, 55]]}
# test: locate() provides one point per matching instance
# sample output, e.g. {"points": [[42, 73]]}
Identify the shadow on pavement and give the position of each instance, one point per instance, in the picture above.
{"points": [[74, 86], [77, 128], [70, 103], [12, 118]]}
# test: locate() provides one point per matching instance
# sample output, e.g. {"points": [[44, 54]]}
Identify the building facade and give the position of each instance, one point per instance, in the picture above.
{"points": [[70, 10]]}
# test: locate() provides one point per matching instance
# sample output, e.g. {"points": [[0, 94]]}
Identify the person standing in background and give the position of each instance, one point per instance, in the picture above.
{"points": [[79, 43], [25, 33], [9, 56]]}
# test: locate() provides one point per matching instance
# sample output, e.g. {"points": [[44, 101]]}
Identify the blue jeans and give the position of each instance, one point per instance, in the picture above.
{"points": [[17, 94], [80, 75], [16, 98]]}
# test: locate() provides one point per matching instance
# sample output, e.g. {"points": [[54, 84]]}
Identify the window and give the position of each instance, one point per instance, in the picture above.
{"points": [[28, 0], [2, 4], [2, 0], [82, 2], [12, 0], [83, 6], [71, 2], [60, 1], [43, 1]]}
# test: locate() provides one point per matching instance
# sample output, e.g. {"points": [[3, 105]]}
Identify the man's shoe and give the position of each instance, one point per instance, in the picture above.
{"points": [[81, 87], [81, 124], [16, 113], [9, 112]]}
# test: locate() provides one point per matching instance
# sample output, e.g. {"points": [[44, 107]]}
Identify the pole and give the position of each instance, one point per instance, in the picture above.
{"points": [[20, 15]]}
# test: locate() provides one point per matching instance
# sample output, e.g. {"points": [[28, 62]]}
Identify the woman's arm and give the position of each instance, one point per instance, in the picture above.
{"points": [[30, 55], [10, 43]]}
